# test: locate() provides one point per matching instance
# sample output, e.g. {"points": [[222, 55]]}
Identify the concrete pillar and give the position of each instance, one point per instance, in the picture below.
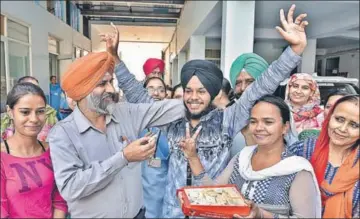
{"points": [[238, 20], [197, 47], [181, 62], [309, 57], [174, 74]]}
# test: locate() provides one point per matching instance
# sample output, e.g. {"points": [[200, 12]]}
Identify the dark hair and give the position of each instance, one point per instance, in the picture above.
{"points": [[226, 87], [22, 89], [152, 78], [279, 103], [52, 76], [175, 88], [335, 93], [168, 88], [26, 78]]}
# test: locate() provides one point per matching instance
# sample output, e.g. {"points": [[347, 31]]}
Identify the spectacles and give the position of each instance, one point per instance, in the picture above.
{"points": [[159, 89]]}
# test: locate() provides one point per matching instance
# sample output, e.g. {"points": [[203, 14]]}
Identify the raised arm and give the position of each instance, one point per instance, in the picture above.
{"points": [[159, 113], [237, 115], [133, 89]]}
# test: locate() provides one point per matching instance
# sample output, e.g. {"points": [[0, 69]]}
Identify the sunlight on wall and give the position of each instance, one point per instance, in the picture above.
{"points": [[134, 56]]}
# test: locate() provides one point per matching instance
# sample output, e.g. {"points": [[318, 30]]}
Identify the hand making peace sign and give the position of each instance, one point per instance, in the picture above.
{"points": [[188, 145]]}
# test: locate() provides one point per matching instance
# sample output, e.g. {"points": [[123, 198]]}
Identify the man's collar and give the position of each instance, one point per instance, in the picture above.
{"points": [[84, 124]]}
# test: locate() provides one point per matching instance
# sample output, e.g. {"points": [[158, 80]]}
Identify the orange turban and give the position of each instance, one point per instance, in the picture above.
{"points": [[85, 73]]}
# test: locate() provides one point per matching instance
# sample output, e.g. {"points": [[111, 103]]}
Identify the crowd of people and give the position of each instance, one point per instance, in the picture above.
{"points": [[99, 157]]}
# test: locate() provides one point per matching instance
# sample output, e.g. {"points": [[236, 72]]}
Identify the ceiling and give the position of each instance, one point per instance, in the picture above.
{"points": [[267, 12], [331, 22], [331, 42], [132, 12], [151, 34]]}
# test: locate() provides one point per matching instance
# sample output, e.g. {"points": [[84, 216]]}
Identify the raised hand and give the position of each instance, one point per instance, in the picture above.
{"points": [[188, 145], [112, 40], [293, 32]]}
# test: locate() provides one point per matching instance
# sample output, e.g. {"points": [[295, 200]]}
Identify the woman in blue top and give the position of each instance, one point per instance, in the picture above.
{"points": [[154, 170]]}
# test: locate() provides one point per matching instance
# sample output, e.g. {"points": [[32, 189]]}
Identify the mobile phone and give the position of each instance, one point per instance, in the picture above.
{"points": [[158, 133], [152, 137]]}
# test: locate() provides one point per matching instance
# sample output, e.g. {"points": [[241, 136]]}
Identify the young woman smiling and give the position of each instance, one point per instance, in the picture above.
{"points": [[28, 187], [303, 97], [335, 158]]}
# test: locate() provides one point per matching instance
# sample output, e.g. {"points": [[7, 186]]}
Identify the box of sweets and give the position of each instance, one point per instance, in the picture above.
{"points": [[222, 201]]}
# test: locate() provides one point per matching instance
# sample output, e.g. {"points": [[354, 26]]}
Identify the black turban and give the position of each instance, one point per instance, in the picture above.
{"points": [[207, 72]]}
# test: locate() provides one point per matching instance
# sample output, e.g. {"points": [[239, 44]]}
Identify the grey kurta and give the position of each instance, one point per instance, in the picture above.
{"points": [[91, 172]]}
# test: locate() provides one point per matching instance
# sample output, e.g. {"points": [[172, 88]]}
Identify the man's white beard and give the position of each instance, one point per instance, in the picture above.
{"points": [[95, 104]]}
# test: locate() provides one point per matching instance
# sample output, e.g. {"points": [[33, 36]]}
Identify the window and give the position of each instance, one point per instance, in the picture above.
{"points": [[19, 65], [2, 26], [53, 47], [17, 31], [77, 52], [213, 55], [3, 90], [53, 65], [319, 67], [19, 54], [75, 17], [57, 8], [332, 66], [15, 53]]}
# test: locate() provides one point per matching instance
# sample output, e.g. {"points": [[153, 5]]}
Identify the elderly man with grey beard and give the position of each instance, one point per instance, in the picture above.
{"points": [[95, 154]]}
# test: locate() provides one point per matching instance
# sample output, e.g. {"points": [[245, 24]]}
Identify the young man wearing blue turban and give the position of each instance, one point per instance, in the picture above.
{"points": [[202, 81]]}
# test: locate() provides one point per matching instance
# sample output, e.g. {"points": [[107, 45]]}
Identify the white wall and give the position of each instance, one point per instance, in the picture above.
{"points": [[135, 55], [42, 24], [167, 75], [213, 43], [193, 14], [349, 62], [267, 50]]}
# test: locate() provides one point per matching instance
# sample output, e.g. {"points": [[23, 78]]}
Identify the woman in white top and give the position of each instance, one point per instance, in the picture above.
{"points": [[278, 184]]}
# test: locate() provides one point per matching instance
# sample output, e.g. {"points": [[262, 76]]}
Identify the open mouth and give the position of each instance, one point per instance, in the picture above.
{"points": [[194, 106], [260, 137]]}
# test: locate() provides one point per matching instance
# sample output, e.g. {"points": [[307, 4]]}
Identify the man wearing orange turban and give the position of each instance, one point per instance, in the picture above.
{"points": [[94, 151], [154, 68]]}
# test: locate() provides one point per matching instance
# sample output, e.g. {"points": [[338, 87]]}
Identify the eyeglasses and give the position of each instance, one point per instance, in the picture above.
{"points": [[159, 90]]}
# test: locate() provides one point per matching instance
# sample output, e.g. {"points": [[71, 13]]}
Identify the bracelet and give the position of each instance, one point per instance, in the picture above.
{"points": [[200, 175]]}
